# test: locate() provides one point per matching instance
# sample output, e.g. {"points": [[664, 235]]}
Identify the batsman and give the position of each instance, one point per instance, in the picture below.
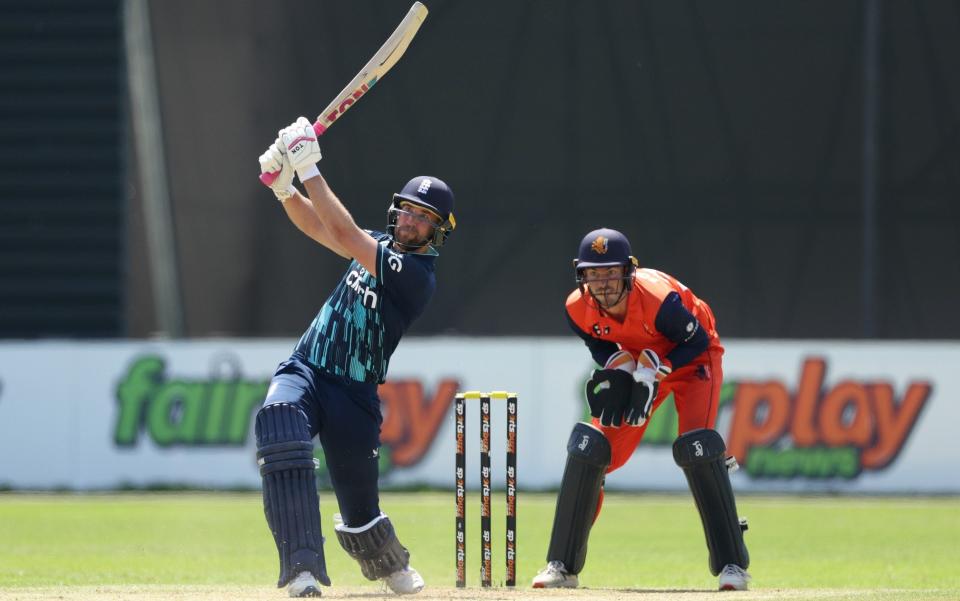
{"points": [[653, 337], [328, 386]]}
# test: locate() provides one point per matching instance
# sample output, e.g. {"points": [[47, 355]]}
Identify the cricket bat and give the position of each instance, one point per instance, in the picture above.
{"points": [[372, 72]]}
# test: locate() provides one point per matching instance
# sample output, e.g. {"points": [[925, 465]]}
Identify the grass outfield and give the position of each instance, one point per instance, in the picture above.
{"points": [[216, 546]]}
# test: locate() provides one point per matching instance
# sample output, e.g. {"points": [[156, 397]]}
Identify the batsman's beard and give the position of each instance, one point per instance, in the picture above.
{"points": [[406, 237]]}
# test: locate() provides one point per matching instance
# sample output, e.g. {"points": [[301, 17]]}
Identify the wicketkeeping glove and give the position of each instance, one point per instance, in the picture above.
{"points": [[609, 392], [646, 378], [641, 402]]}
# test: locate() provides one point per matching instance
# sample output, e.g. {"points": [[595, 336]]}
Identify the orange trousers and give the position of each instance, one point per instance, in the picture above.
{"points": [[696, 395]]}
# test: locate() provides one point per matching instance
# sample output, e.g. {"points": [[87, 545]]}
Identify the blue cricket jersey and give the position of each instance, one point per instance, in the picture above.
{"points": [[360, 324]]}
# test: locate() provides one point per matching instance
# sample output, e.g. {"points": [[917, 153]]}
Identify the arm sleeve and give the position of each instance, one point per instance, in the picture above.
{"points": [[680, 326], [600, 349]]}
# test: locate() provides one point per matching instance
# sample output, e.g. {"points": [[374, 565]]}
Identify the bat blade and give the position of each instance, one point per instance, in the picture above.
{"points": [[376, 67], [381, 62]]}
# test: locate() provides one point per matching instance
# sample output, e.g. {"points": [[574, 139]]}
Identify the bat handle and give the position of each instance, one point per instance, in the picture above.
{"points": [[269, 177]]}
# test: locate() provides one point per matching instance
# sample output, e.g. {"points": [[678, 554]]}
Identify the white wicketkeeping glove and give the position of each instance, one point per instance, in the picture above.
{"points": [[648, 367], [299, 142], [647, 378], [274, 161]]}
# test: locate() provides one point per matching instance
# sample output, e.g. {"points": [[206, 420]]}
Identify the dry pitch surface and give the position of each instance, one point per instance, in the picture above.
{"points": [[202, 593]]}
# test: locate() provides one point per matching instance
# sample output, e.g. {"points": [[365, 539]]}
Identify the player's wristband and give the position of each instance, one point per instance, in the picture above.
{"points": [[308, 173]]}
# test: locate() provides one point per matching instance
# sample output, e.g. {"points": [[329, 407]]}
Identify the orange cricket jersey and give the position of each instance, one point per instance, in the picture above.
{"points": [[637, 332]]}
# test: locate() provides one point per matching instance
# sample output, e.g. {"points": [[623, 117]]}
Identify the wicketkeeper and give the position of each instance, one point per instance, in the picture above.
{"points": [[654, 337], [328, 386]]}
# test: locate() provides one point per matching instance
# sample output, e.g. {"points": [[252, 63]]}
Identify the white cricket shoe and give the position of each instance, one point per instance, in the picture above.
{"points": [[555, 575], [733, 578], [304, 585], [405, 582]]}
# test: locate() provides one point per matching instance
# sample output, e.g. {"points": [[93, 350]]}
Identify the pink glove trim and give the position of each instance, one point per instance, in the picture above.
{"points": [[300, 139]]}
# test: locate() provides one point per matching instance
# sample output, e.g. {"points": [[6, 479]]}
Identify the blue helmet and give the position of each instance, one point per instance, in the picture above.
{"points": [[432, 194], [605, 248]]}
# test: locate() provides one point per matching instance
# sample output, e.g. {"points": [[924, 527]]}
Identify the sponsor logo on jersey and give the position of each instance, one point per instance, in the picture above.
{"points": [[394, 261], [598, 331], [356, 281]]}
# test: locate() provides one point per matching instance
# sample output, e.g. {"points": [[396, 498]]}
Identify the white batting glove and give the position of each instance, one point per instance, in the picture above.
{"points": [[274, 161], [300, 144]]}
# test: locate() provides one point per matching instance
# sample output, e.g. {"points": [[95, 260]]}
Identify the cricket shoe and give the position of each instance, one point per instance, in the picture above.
{"points": [[405, 582], [555, 575], [733, 578], [304, 585]]}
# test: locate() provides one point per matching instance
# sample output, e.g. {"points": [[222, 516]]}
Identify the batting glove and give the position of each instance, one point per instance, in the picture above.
{"points": [[274, 161], [300, 144]]}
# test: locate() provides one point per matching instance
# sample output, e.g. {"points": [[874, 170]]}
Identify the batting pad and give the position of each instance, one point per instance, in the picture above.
{"points": [[375, 547], [285, 457], [588, 455], [702, 456]]}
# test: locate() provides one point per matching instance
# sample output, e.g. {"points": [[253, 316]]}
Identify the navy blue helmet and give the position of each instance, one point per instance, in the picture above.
{"points": [[605, 248], [432, 194]]}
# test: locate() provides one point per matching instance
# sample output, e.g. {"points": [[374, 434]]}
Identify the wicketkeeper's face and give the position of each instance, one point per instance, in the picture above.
{"points": [[605, 283]]}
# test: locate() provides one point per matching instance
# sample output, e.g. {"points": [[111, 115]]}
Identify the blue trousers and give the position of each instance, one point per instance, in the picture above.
{"points": [[346, 417]]}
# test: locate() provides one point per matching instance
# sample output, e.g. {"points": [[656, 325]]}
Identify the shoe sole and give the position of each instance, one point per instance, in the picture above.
{"points": [[309, 592], [562, 585], [413, 591], [731, 587]]}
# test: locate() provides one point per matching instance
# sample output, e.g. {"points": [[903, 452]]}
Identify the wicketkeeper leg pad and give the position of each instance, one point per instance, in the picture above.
{"points": [[285, 457], [375, 547], [702, 456], [588, 455]]}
